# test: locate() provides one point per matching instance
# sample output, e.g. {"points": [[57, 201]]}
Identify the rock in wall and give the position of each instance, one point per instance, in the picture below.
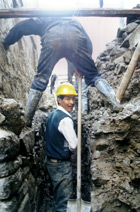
{"points": [[15, 177], [22, 170]]}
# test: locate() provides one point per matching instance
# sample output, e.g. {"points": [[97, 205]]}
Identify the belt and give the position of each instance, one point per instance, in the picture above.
{"points": [[55, 160]]}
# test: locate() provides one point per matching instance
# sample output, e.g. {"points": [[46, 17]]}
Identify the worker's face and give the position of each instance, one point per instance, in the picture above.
{"points": [[67, 102]]}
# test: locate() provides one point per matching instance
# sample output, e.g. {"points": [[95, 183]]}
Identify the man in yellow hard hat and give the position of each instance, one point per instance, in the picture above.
{"points": [[61, 142]]}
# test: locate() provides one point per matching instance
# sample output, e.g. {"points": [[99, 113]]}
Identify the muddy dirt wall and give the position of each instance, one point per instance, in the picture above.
{"points": [[114, 138]]}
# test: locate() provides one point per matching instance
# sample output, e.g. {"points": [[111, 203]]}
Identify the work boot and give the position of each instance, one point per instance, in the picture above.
{"points": [[32, 102], [103, 86]]}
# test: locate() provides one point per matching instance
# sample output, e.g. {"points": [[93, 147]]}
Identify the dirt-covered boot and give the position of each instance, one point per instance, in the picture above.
{"points": [[32, 102], [103, 86]]}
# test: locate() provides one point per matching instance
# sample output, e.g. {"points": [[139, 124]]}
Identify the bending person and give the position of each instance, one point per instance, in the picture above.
{"points": [[60, 38]]}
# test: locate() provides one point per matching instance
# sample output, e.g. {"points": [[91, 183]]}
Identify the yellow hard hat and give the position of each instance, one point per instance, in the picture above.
{"points": [[66, 89]]}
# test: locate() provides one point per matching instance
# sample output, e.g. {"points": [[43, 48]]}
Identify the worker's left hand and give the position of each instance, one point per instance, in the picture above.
{"points": [[73, 158]]}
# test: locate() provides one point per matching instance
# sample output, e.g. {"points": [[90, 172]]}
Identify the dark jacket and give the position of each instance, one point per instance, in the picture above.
{"points": [[55, 141], [37, 26]]}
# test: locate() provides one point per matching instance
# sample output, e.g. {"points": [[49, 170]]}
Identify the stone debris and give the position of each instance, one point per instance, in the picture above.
{"points": [[114, 138], [11, 115], [22, 171]]}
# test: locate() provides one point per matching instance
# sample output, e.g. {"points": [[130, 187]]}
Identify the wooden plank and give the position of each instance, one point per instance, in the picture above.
{"points": [[129, 73], [26, 12]]}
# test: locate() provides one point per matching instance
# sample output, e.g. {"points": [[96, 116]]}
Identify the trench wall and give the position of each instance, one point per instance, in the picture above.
{"points": [[22, 171], [15, 74], [114, 137]]}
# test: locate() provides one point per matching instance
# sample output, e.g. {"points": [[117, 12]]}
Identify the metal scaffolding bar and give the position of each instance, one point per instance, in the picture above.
{"points": [[26, 12]]}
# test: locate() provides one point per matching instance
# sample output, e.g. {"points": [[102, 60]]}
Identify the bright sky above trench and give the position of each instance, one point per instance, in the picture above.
{"points": [[68, 4]]}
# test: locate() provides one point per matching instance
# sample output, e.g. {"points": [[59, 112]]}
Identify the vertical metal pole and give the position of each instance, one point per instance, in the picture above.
{"points": [[79, 145]]}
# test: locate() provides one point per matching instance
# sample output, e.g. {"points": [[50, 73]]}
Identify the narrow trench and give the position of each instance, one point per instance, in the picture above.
{"points": [[44, 199], [115, 190]]}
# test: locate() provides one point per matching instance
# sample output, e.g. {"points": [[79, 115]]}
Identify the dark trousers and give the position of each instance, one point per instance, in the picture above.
{"points": [[62, 182], [65, 40]]}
